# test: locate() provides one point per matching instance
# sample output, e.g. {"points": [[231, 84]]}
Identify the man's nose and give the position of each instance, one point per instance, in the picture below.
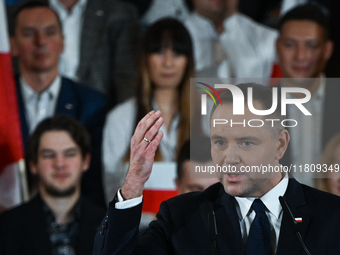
{"points": [[231, 156], [40, 39], [301, 53], [59, 161]]}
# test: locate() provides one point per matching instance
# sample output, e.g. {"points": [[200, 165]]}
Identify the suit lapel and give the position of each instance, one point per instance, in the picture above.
{"points": [[22, 112], [288, 241], [229, 239], [67, 100], [34, 222], [93, 27], [87, 228]]}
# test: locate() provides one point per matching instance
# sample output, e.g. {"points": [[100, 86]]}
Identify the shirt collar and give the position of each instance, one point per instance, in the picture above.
{"points": [[62, 11], [270, 199], [320, 92], [28, 93]]}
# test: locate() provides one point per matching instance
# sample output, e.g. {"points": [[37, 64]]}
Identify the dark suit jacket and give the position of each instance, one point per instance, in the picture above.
{"points": [[183, 226], [109, 46], [23, 230], [89, 108], [331, 121]]}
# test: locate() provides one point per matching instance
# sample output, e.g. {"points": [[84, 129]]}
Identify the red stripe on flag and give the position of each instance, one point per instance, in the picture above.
{"points": [[11, 148], [154, 198]]}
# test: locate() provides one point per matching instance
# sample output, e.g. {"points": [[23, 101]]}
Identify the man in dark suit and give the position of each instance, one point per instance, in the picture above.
{"points": [[101, 44], [42, 92], [303, 49], [57, 220], [241, 214]]}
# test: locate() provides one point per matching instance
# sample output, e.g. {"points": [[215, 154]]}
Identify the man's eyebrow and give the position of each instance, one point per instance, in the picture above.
{"points": [[248, 138], [217, 137], [46, 150], [72, 149], [28, 28]]}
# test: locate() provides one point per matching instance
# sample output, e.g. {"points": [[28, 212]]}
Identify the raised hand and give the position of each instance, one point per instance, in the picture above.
{"points": [[143, 146]]}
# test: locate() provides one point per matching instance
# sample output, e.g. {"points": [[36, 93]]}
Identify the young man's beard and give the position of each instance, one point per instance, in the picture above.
{"points": [[52, 191]]}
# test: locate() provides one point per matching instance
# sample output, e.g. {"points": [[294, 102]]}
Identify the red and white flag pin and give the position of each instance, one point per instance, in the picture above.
{"points": [[298, 219]]}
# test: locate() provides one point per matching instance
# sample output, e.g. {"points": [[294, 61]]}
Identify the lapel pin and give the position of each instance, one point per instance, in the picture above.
{"points": [[100, 13], [69, 106], [298, 219]]}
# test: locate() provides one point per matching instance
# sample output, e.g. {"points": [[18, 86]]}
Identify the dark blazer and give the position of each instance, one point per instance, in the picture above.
{"points": [[23, 230], [183, 226], [89, 108], [331, 120], [109, 47]]}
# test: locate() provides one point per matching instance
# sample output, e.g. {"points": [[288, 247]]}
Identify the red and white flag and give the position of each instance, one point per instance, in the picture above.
{"points": [[12, 165], [160, 186]]}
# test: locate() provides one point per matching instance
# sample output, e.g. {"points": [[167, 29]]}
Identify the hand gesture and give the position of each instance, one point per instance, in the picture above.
{"points": [[143, 146]]}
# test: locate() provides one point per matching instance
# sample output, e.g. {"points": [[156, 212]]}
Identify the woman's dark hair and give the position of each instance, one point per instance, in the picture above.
{"points": [[166, 33]]}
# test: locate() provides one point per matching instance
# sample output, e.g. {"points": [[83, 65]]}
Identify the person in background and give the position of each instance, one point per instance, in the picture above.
{"points": [[195, 152], [303, 49], [42, 91], [228, 44], [58, 220], [101, 44], [165, 69], [330, 160]]}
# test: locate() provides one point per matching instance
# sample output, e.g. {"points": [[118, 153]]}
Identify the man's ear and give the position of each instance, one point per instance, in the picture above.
{"points": [[86, 162], [178, 186], [14, 48], [281, 144], [329, 49], [33, 168]]}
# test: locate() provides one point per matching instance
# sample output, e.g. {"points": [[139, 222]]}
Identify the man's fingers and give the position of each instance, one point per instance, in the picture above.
{"points": [[157, 140], [152, 132], [145, 124]]}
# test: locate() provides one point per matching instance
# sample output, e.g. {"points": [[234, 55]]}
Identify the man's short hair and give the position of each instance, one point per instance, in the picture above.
{"points": [[308, 12], [200, 152], [261, 94], [29, 5], [59, 123]]}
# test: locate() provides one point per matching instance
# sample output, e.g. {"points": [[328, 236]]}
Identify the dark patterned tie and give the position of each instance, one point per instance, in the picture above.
{"points": [[259, 240]]}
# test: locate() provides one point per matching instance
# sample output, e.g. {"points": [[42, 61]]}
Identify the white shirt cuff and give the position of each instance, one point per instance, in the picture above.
{"points": [[126, 204]]}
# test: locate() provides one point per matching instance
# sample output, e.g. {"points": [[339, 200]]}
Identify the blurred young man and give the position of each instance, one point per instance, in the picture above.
{"points": [[194, 153], [57, 220]]}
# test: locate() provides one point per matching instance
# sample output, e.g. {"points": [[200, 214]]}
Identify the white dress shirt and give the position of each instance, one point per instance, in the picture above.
{"points": [[160, 9], [39, 106], [72, 23], [245, 49], [118, 130], [246, 214], [287, 5]]}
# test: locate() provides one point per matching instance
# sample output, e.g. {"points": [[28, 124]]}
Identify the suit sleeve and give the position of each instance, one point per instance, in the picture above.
{"points": [[119, 233]]}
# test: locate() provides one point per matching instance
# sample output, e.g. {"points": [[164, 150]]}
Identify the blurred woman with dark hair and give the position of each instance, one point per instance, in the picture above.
{"points": [[165, 68]]}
